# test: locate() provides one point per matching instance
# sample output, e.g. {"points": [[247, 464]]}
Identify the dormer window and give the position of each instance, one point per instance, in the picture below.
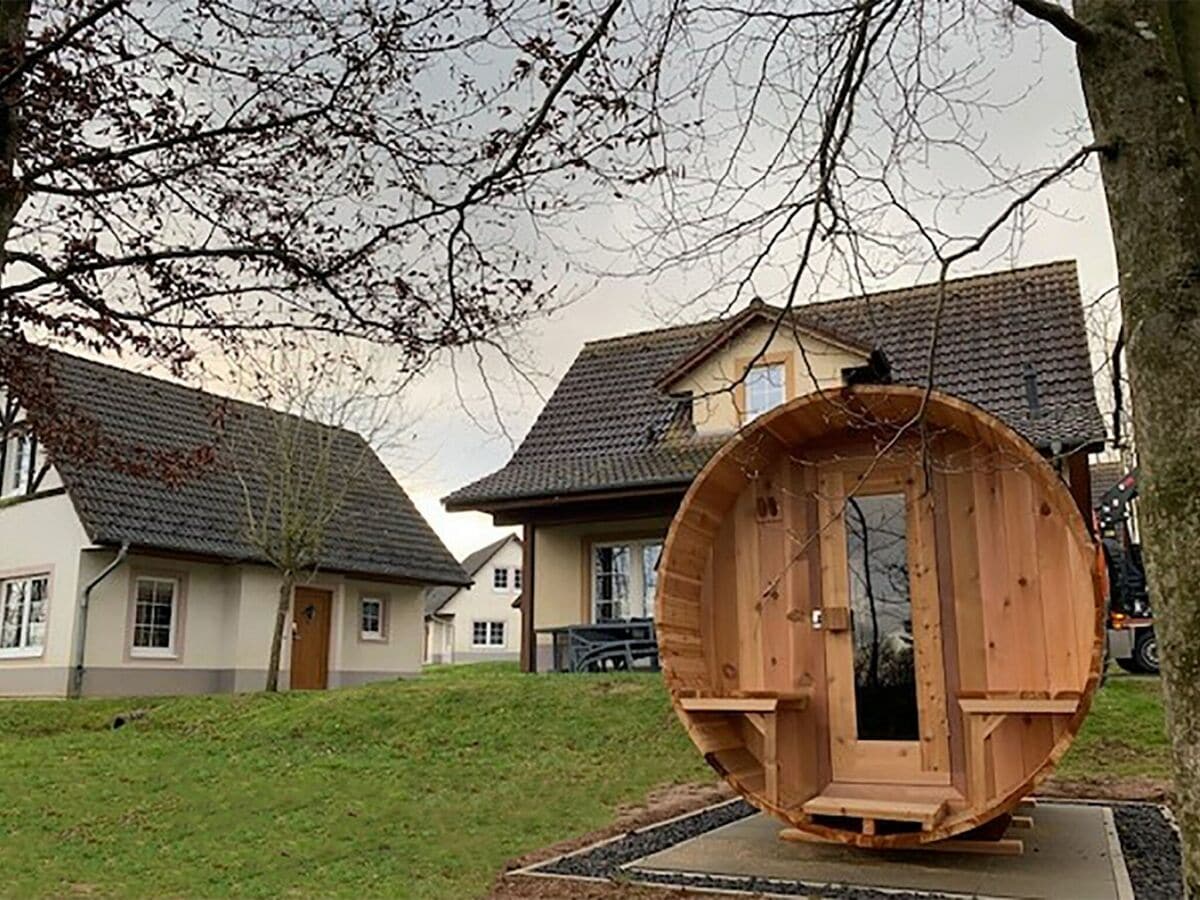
{"points": [[764, 390], [21, 463]]}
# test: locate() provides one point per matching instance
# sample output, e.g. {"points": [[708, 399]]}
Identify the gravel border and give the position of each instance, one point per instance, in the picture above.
{"points": [[1149, 842], [605, 860]]}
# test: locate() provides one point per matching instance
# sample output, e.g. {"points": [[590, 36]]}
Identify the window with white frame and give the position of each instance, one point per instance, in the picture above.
{"points": [[371, 619], [624, 578], [764, 389], [23, 615], [20, 463], [516, 578], [500, 578], [487, 634], [155, 616]]}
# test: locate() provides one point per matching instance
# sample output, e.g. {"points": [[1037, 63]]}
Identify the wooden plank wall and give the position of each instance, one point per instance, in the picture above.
{"points": [[746, 568], [1027, 566]]}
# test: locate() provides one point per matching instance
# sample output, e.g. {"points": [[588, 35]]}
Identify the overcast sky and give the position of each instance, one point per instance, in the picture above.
{"points": [[448, 449], [451, 434]]}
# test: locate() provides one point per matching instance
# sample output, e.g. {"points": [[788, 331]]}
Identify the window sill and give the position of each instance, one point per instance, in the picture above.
{"points": [[22, 653], [373, 638], [153, 654]]}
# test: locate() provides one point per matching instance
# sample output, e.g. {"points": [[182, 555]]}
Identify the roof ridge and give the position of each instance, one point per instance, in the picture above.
{"points": [[800, 308], [1000, 275]]}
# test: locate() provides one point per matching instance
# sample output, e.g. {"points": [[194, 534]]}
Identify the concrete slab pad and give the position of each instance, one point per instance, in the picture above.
{"points": [[1068, 854]]}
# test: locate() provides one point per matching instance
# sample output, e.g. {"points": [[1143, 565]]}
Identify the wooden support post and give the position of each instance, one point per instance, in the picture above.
{"points": [[528, 579]]}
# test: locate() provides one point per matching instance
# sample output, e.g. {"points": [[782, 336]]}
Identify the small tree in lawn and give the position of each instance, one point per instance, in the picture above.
{"points": [[297, 465]]}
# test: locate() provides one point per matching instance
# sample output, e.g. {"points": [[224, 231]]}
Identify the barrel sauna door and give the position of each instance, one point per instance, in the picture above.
{"points": [[886, 686]]}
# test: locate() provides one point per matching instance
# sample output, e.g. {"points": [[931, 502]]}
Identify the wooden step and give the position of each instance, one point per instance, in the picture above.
{"points": [[893, 803]]}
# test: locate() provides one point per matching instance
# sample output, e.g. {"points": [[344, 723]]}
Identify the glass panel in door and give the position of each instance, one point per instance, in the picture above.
{"points": [[885, 683]]}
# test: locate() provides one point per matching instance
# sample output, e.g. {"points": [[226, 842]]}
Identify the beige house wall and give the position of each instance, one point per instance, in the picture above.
{"points": [[439, 641], [43, 536], [562, 588], [398, 654], [809, 363], [224, 619]]}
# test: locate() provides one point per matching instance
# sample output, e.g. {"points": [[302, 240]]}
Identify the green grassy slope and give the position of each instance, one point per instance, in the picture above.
{"points": [[418, 789]]}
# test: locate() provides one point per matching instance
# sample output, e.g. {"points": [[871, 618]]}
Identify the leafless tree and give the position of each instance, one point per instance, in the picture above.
{"points": [[809, 143], [297, 465], [178, 174]]}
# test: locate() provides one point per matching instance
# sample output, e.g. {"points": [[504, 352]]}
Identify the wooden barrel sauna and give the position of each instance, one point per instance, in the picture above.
{"points": [[879, 615]]}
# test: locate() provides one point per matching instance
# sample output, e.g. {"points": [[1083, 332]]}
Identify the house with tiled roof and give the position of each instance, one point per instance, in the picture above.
{"points": [[126, 566], [603, 469], [479, 622]]}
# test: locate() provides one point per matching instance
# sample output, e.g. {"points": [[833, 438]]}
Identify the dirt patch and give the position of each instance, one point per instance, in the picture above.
{"points": [[1151, 790], [659, 805]]}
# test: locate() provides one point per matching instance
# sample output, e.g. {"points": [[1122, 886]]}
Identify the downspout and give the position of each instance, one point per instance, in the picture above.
{"points": [[77, 671]]}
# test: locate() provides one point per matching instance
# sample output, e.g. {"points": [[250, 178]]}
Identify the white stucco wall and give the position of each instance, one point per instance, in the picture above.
{"points": [[398, 654], [40, 536], [225, 617], [352, 659], [482, 602], [439, 640]]}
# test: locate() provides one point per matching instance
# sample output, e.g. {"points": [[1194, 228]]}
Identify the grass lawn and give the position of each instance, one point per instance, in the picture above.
{"points": [[1124, 737], [419, 789]]}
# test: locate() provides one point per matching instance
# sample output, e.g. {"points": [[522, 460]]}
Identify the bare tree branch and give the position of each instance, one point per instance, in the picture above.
{"points": [[1057, 16]]}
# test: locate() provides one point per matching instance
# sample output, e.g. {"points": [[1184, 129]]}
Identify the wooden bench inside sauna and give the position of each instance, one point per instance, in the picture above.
{"points": [[879, 616]]}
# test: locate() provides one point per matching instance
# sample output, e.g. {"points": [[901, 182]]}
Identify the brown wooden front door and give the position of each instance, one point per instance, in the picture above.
{"points": [[886, 679], [311, 615]]}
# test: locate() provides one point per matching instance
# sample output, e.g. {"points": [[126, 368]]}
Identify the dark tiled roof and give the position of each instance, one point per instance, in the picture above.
{"points": [[607, 426], [376, 530], [436, 598]]}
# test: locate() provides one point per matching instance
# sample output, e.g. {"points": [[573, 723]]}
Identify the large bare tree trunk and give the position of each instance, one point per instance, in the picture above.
{"points": [[286, 586], [1140, 82]]}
